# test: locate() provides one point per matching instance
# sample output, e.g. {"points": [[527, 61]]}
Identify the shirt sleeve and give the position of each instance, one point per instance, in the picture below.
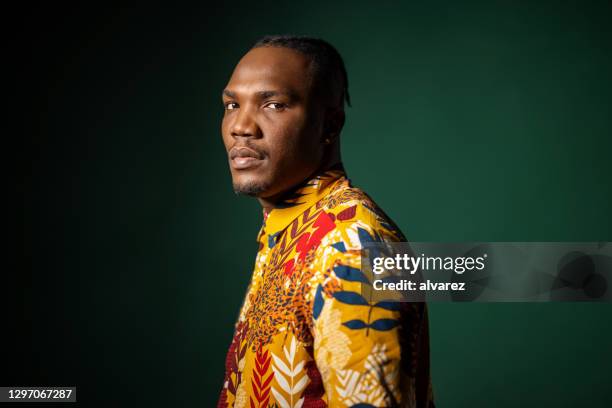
{"points": [[368, 353]]}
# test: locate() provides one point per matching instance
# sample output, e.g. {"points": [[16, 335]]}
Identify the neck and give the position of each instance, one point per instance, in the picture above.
{"points": [[268, 203], [331, 159]]}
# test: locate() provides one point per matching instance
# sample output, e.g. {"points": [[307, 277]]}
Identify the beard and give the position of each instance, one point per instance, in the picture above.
{"points": [[250, 188]]}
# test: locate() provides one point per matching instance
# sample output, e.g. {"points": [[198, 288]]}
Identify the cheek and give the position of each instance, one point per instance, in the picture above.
{"points": [[292, 137], [293, 158], [285, 146]]}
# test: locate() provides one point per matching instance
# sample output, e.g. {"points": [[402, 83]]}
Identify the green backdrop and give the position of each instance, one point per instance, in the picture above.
{"points": [[484, 121]]}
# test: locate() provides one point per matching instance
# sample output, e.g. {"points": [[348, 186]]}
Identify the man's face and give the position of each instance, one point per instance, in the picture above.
{"points": [[271, 129]]}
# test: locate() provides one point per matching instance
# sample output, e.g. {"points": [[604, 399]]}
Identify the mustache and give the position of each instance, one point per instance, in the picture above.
{"points": [[246, 150]]}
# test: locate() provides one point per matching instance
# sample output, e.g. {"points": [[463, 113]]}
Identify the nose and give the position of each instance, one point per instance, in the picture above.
{"points": [[245, 125]]}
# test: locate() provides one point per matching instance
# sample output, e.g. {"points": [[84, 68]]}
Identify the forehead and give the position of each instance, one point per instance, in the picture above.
{"points": [[270, 68]]}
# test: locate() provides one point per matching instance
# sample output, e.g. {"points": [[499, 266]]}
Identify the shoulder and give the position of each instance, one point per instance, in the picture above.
{"points": [[357, 218], [352, 221]]}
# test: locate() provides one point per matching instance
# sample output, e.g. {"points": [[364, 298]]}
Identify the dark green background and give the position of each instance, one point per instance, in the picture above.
{"points": [[470, 122]]}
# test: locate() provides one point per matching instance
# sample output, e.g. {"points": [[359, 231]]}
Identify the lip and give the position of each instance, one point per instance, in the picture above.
{"points": [[242, 158]]}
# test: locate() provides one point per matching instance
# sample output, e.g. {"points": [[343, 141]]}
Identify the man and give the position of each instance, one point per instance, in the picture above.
{"points": [[305, 337]]}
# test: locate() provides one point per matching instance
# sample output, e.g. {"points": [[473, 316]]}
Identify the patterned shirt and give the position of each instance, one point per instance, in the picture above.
{"points": [[305, 336]]}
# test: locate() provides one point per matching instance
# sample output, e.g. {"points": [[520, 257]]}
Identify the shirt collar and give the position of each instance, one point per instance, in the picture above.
{"points": [[299, 199]]}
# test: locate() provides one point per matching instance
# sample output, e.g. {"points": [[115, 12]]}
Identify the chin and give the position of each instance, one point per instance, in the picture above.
{"points": [[251, 187]]}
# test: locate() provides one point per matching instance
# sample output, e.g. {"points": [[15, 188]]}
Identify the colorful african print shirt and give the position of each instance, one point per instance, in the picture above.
{"points": [[305, 336]]}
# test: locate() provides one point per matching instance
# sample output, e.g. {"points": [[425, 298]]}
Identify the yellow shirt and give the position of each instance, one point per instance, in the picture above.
{"points": [[305, 336]]}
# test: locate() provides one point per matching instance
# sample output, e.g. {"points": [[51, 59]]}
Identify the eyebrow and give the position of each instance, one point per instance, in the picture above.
{"points": [[264, 94], [228, 93]]}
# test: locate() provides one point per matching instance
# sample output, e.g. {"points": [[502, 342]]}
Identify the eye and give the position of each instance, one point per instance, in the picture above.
{"points": [[231, 106], [276, 106]]}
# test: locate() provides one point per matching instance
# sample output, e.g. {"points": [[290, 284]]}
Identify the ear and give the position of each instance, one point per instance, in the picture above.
{"points": [[333, 124]]}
